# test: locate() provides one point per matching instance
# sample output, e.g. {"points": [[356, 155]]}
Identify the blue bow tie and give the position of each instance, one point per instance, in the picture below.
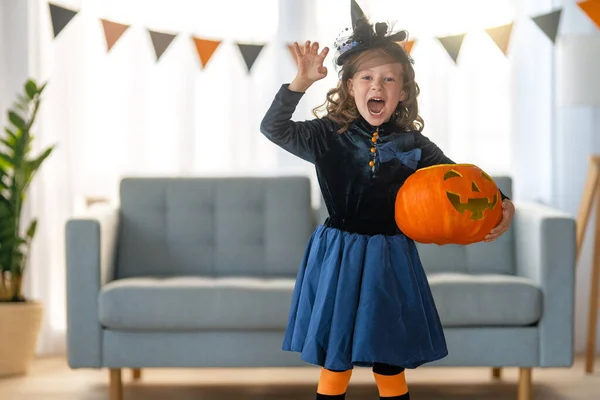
{"points": [[389, 151]]}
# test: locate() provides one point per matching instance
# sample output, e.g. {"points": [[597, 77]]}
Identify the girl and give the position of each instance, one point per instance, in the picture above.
{"points": [[361, 296]]}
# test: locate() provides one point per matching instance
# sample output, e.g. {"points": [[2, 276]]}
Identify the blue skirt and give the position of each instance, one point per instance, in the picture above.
{"points": [[362, 299]]}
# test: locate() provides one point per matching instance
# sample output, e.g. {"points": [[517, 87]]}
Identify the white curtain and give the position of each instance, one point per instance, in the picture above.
{"points": [[122, 113]]}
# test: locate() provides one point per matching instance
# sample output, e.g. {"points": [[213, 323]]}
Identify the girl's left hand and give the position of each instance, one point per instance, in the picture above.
{"points": [[508, 211]]}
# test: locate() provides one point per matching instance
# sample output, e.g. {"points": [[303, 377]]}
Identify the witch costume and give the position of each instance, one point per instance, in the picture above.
{"points": [[361, 295]]}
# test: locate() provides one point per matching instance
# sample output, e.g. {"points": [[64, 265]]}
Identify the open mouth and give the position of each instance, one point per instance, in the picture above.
{"points": [[375, 106], [477, 206]]}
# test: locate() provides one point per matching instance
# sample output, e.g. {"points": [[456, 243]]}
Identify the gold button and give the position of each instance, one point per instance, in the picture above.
{"points": [[375, 134], [372, 149], [371, 163], [374, 139]]}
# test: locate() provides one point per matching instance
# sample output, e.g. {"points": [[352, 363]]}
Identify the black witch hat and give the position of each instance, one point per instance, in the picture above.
{"points": [[363, 35]]}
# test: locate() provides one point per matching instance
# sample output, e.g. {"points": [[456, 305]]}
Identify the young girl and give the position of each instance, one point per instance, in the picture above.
{"points": [[361, 297]]}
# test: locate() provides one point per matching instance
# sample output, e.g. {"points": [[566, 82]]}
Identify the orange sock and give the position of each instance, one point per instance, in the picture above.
{"points": [[333, 383], [391, 385]]}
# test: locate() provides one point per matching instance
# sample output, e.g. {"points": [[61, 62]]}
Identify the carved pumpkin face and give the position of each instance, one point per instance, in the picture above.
{"points": [[449, 203], [464, 198]]}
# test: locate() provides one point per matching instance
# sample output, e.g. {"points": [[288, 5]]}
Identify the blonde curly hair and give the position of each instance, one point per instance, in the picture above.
{"points": [[340, 106]]}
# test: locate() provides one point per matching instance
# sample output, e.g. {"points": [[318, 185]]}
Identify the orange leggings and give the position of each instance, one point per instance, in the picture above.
{"points": [[390, 381]]}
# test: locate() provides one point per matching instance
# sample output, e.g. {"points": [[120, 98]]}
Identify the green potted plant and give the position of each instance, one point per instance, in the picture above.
{"points": [[20, 318]]}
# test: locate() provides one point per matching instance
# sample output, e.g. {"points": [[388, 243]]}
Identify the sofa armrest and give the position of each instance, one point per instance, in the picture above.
{"points": [[91, 241], [545, 252]]}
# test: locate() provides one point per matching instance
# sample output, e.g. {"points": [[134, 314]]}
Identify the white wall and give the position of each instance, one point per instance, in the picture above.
{"points": [[13, 52], [551, 144], [577, 137]]}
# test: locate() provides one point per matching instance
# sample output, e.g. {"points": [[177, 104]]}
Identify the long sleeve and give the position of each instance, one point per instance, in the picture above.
{"points": [[305, 139], [431, 154]]}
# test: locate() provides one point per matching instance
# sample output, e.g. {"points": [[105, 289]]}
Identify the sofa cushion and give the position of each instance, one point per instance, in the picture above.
{"points": [[195, 303], [213, 226], [486, 300]]}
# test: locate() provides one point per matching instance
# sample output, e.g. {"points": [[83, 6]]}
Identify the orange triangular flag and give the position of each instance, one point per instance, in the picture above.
{"points": [[112, 31], [408, 45], [592, 9], [501, 36], [292, 52], [205, 49]]}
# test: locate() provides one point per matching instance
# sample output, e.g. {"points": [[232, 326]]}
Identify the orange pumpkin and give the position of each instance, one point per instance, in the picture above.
{"points": [[448, 204]]}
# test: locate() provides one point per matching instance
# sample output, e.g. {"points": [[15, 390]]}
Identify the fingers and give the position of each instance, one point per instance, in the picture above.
{"points": [[310, 48], [324, 52], [314, 48], [297, 50]]}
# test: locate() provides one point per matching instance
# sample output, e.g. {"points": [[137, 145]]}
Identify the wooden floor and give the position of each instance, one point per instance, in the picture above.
{"points": [[51, 379]]}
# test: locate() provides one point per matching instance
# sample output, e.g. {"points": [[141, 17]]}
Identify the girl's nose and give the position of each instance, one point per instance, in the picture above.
{"points": [[376, 85]]}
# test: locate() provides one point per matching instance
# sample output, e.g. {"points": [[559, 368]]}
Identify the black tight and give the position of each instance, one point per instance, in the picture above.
{"points": [[382, 369]]}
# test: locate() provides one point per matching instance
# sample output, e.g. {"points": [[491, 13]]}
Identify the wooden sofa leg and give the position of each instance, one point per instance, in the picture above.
{"points": [[116, 384], [496, 373], [137, 374], [525, 388]]}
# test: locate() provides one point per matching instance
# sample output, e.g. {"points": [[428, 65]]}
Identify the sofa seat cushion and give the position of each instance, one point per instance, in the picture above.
{"points": [[465, 300], [195, 303]]}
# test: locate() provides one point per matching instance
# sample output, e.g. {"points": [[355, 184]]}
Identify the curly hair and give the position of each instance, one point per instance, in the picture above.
{"points": [[340, 106]]}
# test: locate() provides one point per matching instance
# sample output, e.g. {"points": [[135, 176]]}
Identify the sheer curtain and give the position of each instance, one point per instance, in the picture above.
{"points": [[122, 113]]}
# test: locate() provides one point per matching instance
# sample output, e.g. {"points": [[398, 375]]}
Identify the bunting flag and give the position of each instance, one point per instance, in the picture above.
{"points": [[250, 53], [292, 52], [112, 32], [501, 36], [161, 42], [452, 44], [205, 49], [592, 9], [60, 17], [548, 23]]}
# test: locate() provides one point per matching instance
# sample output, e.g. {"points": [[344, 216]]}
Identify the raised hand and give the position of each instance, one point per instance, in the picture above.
{"points": [[310, 65]]}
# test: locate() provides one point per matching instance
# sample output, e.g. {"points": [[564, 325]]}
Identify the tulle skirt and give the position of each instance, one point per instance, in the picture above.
{"points": [[362, 299]]}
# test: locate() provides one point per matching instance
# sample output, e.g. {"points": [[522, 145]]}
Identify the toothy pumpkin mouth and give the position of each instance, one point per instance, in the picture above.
{"points": [[476, 205]]}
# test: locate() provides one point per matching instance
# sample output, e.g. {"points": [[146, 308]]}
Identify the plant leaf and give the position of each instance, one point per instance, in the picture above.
{"points": [[31, 89], [16, 120], [31, 229], [5, 161]]}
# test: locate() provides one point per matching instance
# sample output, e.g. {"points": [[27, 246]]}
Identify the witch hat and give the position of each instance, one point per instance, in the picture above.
{"points": [[364, 35]]}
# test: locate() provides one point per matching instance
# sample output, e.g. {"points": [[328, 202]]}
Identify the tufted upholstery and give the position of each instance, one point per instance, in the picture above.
{"points": [[213, 226]]}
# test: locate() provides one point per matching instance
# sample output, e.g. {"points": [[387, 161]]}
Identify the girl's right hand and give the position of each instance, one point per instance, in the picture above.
{"points": [[310, 65]]}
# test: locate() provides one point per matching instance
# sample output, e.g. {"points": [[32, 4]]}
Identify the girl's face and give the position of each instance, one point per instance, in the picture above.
{"points": [[377, 90]]}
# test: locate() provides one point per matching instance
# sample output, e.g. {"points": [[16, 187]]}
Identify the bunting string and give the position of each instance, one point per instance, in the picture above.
{"points": [[548, 24]]}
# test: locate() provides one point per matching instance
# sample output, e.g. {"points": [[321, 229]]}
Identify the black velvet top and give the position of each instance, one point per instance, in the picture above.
{"points": [[359, 197]]}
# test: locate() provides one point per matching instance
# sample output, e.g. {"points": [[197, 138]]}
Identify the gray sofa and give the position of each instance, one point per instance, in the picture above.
{"points": [[199, 272]]}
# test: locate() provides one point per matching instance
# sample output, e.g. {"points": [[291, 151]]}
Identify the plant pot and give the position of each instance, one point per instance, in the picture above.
{"points": [[19, 330]]}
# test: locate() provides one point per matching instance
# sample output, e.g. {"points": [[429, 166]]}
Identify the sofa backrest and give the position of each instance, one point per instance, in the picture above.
{"points": [[496, 257], [225, 226]]}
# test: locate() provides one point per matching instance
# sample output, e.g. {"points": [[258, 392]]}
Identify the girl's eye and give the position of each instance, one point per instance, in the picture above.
{"points": [[366, 77], [389, 79]]}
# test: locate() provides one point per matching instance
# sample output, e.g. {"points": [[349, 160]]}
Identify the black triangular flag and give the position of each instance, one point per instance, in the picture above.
{"points": [[250, 53], [548, 23], [60, 17], [452, 44], [160, 41]]}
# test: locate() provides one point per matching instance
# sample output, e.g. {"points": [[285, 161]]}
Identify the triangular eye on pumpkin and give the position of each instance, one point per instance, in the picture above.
{"points": [[452, 174], [452, 203]]}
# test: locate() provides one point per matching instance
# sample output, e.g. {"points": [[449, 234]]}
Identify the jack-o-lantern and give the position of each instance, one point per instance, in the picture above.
{"points": [[448, 204]]}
